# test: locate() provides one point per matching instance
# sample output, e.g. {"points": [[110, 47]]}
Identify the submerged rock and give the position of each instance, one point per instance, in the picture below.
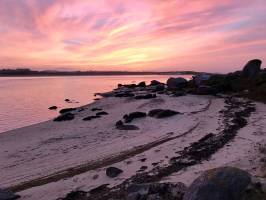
{"points": [[156, 191], [252, 68], [224, 183], [64, 117], [113, 172], [8, 195]]}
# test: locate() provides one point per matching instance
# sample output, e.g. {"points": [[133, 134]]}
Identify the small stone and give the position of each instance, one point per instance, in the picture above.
{"points": [[113, 172], [52, 108]]}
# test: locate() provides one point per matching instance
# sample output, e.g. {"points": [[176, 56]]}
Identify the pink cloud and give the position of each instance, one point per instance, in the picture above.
{"points": [[204, 35]]}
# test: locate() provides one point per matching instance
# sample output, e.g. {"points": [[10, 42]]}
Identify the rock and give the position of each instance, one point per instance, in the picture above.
{"points": [[134, 115], [154, 112], [113, 172], [75, 195], [160, 113], [91, 117], [127, 127], [146, 96], [155, 82], [119, 123], [119, 85], [179, 93], [252, 68], [176, 83], [201, 78], [64, 117], [7, 195], [159, 87], [98, 189], [67, 100], [124, 94], [142, 84], [96, 109], [132, 86], [52, 108], [102, 113], [224, 183], [156, 191], [65, 110], [205, 90]]}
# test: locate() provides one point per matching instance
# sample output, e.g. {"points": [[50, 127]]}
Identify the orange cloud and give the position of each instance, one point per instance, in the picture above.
{"points": [[205, 35]]}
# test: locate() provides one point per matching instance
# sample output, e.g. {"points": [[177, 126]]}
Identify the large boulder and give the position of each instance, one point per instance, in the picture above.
{"points": [[176, 83], [156, 191], [252, 68], [7, 195], [224, 183]]}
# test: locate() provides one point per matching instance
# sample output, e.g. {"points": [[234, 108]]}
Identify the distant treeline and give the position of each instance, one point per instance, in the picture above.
{"points": [[29, 72]]}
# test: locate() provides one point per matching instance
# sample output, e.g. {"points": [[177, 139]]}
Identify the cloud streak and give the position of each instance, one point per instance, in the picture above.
{"points": [[206, 35]]}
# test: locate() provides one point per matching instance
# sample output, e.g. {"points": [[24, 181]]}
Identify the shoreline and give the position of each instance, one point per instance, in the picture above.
{"points": [[71, 156]]}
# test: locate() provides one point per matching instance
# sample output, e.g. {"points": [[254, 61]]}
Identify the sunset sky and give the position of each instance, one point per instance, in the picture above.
{"points": [[135, 35]]}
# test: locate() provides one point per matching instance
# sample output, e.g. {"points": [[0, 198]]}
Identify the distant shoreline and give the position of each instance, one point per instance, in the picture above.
{"points": [[31, 73]]}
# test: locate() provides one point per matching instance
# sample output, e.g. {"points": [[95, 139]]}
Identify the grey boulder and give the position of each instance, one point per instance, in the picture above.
{"points": [[176, 83], [224, 183]]}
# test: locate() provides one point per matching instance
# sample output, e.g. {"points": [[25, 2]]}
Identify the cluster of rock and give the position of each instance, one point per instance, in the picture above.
{"points": [[224, 183], [156, 113], [252, 77]]}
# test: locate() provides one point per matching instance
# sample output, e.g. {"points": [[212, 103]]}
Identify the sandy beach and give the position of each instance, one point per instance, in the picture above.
{"points": [[50, 159]]}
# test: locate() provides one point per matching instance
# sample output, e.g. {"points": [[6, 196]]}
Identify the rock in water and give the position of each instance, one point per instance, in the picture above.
{"points": [[52, 108], [176, 83], [224, 183], [7, 195], [156, 191], [252, 68], [113, 172]]}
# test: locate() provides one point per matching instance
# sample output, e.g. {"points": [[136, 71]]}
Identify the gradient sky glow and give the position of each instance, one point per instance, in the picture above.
{"points": [[142, 35]]}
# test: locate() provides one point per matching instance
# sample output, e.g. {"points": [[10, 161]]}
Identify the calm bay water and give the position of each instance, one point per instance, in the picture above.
{"points": [[25, 100]]}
